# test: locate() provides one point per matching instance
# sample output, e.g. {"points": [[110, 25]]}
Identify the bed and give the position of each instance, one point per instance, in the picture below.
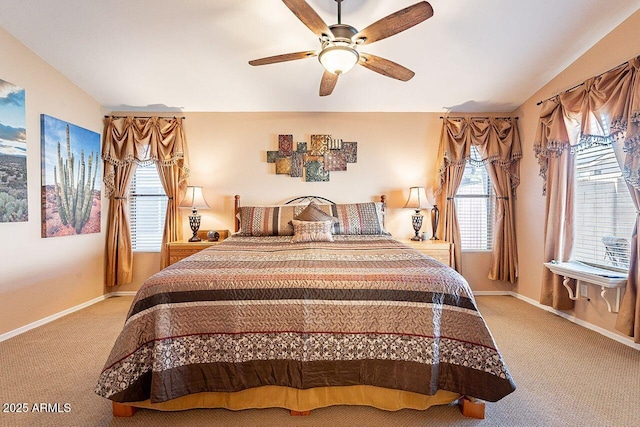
{"points": [[308, 305]]}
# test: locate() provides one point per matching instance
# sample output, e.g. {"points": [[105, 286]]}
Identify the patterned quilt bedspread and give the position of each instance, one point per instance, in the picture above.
{"points": [[254, 311]]}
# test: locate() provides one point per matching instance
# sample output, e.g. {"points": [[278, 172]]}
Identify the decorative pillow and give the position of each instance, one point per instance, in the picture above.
{"points": [[268, 220], [358, 218], [313, 212], [312, 231]]}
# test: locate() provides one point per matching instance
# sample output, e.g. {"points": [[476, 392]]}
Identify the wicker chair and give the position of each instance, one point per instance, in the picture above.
{"points": [[616, 251]]}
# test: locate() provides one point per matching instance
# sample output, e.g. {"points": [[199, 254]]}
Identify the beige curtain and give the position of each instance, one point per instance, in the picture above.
{"points": [[175, 189], [450, 174], [603, 110], [119, 256], [557, 171], [129, 141], [628, 320], [498, 142]]}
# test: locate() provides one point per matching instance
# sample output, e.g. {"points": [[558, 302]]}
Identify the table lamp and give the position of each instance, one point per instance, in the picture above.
{"points": [[417, 200], [195, 200]]}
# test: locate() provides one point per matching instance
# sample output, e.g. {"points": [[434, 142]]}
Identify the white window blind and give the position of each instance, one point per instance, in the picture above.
{"points": [[475, 205], [148, 207], [605, 213]]}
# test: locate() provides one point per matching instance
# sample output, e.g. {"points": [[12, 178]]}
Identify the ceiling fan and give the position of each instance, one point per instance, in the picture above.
{"points": [[339, 42]]}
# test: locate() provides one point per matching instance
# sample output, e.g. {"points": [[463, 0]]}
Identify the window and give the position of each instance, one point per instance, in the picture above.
{"points": [[605, 213], [475, 203], [147, 209]]}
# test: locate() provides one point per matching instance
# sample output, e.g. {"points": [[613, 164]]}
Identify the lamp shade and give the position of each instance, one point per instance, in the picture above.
{"points": [[417, 198], [194, 198], [338, 59]]}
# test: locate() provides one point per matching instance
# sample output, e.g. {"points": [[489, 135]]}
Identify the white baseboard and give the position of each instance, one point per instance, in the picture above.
{"points": [[51, 318], [493, 293], [55, 316], [619, 338], [122, 294]]}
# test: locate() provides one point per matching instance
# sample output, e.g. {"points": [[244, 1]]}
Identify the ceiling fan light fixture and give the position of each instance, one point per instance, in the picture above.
{"points": [[338, 59], [340, 42]]}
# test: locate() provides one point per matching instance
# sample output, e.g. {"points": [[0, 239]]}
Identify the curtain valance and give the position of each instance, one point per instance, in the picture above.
{"points": [[157, 140], [496, 138], [603, 109]]}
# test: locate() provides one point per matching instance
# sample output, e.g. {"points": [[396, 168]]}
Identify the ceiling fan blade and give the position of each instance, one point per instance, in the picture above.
{"points": [[395, 23], [284, 57], [327, 83], [309, 17], [385, 67]]}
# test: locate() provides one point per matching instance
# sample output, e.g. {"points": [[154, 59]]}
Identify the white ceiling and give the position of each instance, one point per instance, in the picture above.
{"points": [[192, 55]]}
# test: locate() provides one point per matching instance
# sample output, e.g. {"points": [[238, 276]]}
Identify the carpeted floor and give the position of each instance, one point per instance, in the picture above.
{"points": [[566, 376]]}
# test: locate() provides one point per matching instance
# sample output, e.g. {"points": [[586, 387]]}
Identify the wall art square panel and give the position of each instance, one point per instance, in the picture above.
{"points": [[335, 144], [285, 144], [283, 166], [297, 164], [272, 156], [319, 144], [314, 171], [71, 178], [335, 160], [13, 154], [350, 151]]}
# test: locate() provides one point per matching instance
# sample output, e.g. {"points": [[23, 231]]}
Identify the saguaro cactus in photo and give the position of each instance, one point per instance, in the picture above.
{"points": [[74, 199]]}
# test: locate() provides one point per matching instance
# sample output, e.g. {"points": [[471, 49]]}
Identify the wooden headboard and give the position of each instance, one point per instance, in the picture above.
{"points": [[236, 210]]}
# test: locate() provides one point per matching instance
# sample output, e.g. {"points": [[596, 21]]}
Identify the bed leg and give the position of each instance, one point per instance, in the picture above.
{"points": [[472, 407], [299, 413], [120, 410]]}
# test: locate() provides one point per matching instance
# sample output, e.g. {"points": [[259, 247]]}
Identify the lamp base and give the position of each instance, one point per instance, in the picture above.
{"points": [[194, 223], [416, 221]]}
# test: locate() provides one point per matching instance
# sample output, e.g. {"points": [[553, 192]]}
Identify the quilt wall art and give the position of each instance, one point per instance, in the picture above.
{"points": [[71, 196], [13, 154], [312, 161]]}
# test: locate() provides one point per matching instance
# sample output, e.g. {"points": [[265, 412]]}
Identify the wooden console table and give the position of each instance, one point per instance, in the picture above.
{"points": [[606, 279]]}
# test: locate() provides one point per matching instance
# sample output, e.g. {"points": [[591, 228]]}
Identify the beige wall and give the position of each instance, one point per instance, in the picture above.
{"points": [[395, 151], [228, 156], [620, 45], [41, 277]]}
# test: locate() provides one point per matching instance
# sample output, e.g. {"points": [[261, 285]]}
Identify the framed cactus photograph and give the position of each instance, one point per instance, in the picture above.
{"points": [[13, 154], [71, 177]]}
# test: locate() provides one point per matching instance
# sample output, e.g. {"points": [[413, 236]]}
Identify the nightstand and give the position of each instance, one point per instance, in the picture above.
{"points": [[183, 248], [438, 249]]}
